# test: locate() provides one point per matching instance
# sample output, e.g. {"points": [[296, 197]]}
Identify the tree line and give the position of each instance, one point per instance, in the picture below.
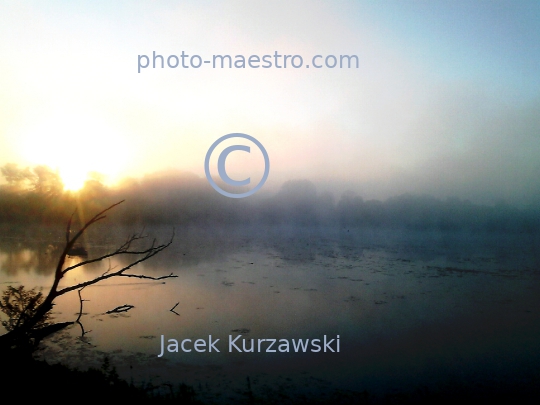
{"points": [[37, 195]]}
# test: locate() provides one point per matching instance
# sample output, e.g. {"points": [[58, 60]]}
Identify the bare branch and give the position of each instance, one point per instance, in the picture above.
{"points": [[122, 250], [80, 304], [148, 253], [148, 277], [172, 309], [121, 308], [69, 245], [35, 311], [78, 320]]}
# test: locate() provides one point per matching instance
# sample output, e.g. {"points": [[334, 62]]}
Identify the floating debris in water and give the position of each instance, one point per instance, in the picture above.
{"points": [[121, 308], [173, 309], [241, 331]]}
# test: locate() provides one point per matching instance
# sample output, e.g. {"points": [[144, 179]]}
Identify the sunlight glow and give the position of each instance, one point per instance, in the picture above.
{"points": [[75, 145]]}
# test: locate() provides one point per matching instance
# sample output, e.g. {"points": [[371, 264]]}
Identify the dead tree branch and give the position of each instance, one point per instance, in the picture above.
{"points": [[172, 309], [28, 324], [121, 308]]}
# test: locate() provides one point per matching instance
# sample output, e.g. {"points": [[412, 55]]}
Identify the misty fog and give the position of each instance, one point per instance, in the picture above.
{"points": [[182, 198]]}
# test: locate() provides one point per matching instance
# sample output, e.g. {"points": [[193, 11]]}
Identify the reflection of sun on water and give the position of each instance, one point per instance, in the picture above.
{"points": [[75, 146]]}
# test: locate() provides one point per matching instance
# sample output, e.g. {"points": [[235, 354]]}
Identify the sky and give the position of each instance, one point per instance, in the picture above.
{"points": [[445, 100]]}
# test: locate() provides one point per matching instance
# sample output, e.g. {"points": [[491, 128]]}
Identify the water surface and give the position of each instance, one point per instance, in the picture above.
{"points": [[411, 308]]}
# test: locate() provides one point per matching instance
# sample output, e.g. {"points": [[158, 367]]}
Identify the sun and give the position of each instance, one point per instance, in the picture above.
{"points": [[74, 180], [75, 145]]}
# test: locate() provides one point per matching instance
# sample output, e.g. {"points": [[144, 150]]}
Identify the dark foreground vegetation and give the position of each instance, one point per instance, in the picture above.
{"points": [[28, 320], [35, 380], [28, 311], [37, 196]]}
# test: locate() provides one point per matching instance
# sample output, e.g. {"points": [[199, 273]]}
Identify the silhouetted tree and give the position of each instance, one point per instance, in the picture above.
{"points": [[20, 305], [28, 311]]}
